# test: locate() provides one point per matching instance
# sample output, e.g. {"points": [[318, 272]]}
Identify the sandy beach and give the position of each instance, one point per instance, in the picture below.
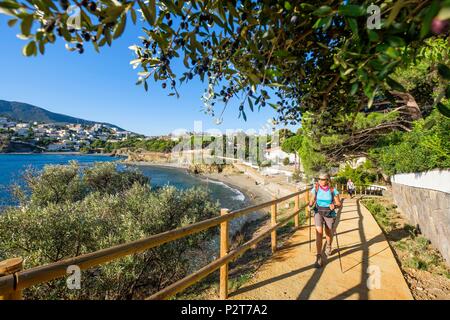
{"points": [[255, 193], [153, 164]]}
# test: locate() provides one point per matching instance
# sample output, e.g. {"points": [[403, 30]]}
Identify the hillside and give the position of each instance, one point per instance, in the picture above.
{"points": [[28, 113]]}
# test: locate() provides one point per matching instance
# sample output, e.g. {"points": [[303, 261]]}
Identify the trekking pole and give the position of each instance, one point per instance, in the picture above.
{"points": [[338, 248], [309, 217], [339, 252]]}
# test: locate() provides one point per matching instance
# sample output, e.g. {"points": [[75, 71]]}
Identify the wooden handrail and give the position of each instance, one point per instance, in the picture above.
{"points": [[27, 278], [11, 267], [216, 264], [369, 189]]}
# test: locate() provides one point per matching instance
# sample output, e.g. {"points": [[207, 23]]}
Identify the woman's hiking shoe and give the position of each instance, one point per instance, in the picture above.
{"points": [[319, 261]]}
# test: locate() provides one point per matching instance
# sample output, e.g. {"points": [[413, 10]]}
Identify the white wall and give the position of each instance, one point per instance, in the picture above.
{"points": [[438, 180], [278, 155]]}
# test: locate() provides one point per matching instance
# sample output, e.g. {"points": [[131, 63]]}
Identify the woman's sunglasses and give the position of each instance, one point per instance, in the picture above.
{"points": [[323, 179]]}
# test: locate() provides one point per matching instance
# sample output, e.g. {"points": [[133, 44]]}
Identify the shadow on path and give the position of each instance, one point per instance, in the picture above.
{"points": [[361, 246]]}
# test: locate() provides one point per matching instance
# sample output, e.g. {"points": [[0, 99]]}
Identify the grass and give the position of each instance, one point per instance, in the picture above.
{"points": [[383, 215], [414, 250], [283, 210], [420, 255], [239, 281]]}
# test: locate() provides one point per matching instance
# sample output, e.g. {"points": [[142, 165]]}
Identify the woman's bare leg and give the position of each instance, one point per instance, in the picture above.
{"points": [[319, 236], [328, 235]]}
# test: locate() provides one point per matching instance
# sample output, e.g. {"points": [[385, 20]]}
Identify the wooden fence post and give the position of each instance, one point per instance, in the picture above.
{"points": [[7, 267], [223, 252], [296, 207], [273, 220]]}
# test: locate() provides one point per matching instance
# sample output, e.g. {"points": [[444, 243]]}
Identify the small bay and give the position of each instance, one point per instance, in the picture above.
{"points": [[12, 167]]}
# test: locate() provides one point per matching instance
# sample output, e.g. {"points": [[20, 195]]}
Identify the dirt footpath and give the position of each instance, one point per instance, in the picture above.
{"points": [[367, 268]]}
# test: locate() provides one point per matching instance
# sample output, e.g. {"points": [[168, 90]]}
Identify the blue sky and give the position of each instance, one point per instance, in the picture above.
{"points": [[101, 87]]}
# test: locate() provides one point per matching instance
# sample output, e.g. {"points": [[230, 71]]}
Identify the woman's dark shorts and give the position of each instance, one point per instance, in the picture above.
{"points": [[320, 220]]}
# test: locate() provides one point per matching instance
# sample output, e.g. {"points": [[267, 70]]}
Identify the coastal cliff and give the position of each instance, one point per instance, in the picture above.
{"points": [[212, 168], [140, 155], [19, 147]]}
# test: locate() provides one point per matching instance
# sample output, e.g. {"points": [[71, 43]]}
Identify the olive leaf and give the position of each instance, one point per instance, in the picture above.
{"points": [[26, 25], [29, 49], [351, 10]]}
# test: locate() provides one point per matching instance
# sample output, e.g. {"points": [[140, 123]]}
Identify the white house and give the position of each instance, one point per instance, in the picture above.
{"points": [[122, 134], [276, 155], [57, 146], [84, 142], [53, 135], [102, 137], [22, 125], [23, 132], [63, 134], [39, 133], [40, 130], [97, 127]]}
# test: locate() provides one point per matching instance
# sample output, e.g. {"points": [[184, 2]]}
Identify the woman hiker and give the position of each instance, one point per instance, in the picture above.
{"points": [[324, 201], [350, 187]]}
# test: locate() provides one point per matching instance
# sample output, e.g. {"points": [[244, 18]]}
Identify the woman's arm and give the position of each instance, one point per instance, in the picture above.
{"points": [[337, 200], [336, 203]]}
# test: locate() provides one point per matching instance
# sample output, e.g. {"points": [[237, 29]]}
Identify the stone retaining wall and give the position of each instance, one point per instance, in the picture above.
{"points": [[430, 209]]}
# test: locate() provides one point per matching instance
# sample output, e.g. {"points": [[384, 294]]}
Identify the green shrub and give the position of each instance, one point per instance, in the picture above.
{"points": [[359, 175], [265, 163], [95, 208], [296, 176], [426, 147], [151, 145], [381, 214], [422, 256], [61, 183]]}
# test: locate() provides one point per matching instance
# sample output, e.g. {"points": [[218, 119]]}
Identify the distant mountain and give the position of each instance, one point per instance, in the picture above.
{"points": [[25, 112]]}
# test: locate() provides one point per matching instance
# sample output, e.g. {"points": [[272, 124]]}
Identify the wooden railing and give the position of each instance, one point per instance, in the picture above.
{"points": [[13, 279], [363, 189]]}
